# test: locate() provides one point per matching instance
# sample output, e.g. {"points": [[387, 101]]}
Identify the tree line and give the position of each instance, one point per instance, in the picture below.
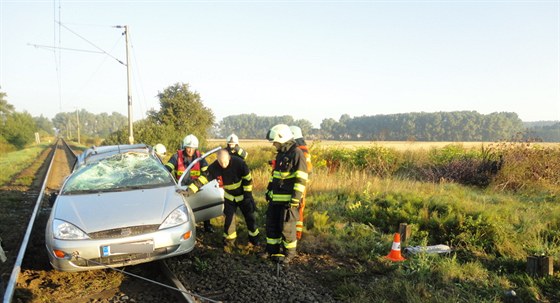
{"points": [[182, 112]]}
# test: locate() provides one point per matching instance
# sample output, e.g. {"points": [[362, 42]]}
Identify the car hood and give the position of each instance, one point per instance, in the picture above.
{"points": [[103, 211]]}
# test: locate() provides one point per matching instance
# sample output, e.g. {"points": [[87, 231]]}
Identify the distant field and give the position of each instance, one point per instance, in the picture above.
{"points": [[397, 145]]}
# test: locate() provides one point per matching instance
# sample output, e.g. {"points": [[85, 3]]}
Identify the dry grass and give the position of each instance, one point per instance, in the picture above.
{"points": [[397, 145]]}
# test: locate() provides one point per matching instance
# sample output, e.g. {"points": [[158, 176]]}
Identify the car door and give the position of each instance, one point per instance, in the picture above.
{"points": [[208, 202]]}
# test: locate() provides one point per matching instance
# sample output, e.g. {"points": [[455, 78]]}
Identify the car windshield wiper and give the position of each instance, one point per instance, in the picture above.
{"points": [[84, 191]]}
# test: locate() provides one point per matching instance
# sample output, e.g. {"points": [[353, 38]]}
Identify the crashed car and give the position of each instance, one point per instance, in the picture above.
{"points": [[120, 207]]}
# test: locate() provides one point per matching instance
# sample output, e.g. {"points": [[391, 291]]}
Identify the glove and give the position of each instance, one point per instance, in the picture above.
{"points": [[184, 191]]}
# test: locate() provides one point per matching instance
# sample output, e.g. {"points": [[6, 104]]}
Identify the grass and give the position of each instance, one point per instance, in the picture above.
{"points": [[353, 214], [14, 162]]}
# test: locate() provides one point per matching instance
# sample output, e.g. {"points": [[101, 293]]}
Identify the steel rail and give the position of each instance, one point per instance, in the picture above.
{"points": [[10, 288]]}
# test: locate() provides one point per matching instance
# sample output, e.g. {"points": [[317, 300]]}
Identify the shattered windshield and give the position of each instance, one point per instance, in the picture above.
{"points": [[117, 173]]}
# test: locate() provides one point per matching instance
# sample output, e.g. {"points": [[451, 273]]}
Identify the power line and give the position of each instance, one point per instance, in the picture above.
{"points": [[65, 48], [91, 43]]}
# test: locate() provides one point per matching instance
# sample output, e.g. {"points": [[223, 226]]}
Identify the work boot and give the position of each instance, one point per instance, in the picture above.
{"points": [[208, 227], [277, 258], [264, 255], [254, 240], [290, 255], [229, 245]]}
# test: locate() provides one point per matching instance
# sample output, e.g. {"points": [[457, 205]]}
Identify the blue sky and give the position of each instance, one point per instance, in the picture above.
{"points": [[309, 59]]}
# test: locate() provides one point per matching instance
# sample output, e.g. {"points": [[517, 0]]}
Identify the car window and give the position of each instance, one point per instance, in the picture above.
{"points": [[125, 171]]}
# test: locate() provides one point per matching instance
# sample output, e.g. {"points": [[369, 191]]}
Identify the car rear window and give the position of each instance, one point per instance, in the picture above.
{"points": [[126, 171]]}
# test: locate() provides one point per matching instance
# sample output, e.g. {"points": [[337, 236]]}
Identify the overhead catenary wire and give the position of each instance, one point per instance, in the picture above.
{"points": [[91, 43]]}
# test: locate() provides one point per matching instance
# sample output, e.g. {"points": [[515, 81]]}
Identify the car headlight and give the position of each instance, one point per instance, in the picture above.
{"points": [[176, 217], [67, 231]]}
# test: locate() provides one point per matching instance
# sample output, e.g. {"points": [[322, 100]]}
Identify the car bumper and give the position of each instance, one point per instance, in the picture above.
{"points": [[81, 255]]}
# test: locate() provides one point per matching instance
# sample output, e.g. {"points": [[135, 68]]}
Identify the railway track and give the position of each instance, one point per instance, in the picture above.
{"points": [[209, 274], [32, 279]]}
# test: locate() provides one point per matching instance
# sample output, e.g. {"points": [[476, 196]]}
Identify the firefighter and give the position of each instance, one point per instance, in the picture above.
{"points": [[160, 151], [235, 178], [181, 160], [233, 147], [284, 193], [301, 144]]}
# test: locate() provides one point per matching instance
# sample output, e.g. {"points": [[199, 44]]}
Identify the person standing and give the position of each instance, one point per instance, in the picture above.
{"points": [[233, 147], [301, 144], [284, 193], [235, 178], [181, 160], [160, 151]]}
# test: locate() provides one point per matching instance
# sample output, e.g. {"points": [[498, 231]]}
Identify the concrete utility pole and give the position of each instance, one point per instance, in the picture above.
{"points": [[78, 123], [130, 131]]}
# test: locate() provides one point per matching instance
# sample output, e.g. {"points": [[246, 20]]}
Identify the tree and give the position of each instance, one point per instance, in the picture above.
{"points": [[19, 129], [184, 111], [44, 124]]}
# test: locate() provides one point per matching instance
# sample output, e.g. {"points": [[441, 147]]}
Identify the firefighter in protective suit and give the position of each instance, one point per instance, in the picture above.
{"points": [[301, 144], [181, 160], [233, 147], [284, 192], [160, 151], [235, 178]]}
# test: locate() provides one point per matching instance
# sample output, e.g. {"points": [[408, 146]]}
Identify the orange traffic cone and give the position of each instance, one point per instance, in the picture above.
{"points": [[395, 254]]}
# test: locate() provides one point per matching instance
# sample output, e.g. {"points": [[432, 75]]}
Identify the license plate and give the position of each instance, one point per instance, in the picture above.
{"points": [[127, 248]]}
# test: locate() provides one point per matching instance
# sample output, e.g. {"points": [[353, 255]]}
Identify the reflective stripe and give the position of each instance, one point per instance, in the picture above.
{"points": [[287, 175], [232, 186], [231, 236], [299, 226], [248, 188], [170, 165], [254, 233], [273, 241], [203, 180], [277, 255], [281, 198], [290, 245], [299, 187], [248, 177], [302, 175], [233, 198], [193, 188]]}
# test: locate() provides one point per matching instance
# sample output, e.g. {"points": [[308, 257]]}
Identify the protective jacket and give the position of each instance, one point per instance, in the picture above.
{"points": [[289, 176], [237, 182], [180, 161], [237, 151], [235, 179]]}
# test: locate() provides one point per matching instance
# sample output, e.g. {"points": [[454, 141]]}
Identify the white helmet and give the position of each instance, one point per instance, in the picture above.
{"points": [[232, 139], [190, 141], [280, 133], [160, 149], [296, 131]]}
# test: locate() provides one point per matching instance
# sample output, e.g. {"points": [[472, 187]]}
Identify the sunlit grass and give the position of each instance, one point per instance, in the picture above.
{"points": [[14, 162]]}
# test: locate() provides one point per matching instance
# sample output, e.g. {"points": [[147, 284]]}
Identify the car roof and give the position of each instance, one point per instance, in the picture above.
{"points": [[95, 153]]}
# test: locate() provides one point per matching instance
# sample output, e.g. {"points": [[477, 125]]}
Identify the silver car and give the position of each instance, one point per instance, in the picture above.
{"points": [[120, 207]]}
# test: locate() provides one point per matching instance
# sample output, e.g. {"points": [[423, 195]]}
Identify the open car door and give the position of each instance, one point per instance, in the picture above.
{"points": [[208, 202]]}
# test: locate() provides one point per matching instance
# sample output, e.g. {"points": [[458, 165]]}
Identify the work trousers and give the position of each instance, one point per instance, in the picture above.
{"points": [[281, 228], [248, 209]]}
